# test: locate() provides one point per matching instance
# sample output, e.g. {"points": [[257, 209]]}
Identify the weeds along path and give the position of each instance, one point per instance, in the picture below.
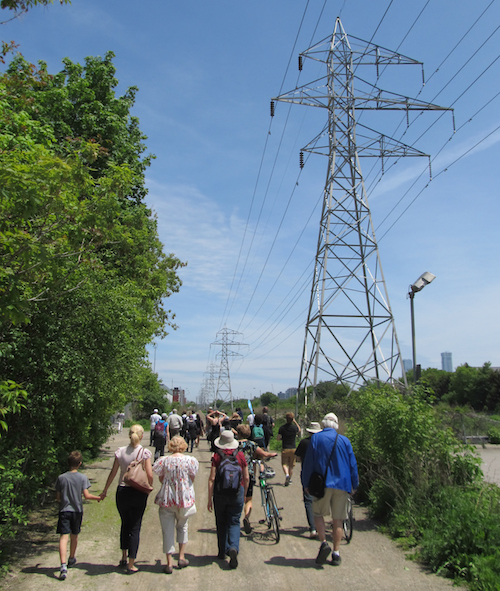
{"points": [[370, 562]]}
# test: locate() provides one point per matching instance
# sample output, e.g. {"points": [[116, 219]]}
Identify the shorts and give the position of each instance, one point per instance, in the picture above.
{"points": [[69, 522], [288, 458], [334, 503]]}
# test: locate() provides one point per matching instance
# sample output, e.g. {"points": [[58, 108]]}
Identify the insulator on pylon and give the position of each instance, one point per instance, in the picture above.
{"points": [[300, 63], [301, 160], [272, 108]]}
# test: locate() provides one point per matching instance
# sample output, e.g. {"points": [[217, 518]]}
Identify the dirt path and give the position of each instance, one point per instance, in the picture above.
{"points": [[370, 562]]}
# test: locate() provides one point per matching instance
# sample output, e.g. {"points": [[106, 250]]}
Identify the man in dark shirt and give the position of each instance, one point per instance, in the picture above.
{"points": [[287, 434]]}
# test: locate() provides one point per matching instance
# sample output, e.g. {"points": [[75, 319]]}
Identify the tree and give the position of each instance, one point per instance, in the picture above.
{"points": [[21, 6], [268, 399], [83, 275]]}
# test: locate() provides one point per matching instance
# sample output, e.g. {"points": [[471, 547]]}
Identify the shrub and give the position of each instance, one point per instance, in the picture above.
{"points": [[494, 435]]}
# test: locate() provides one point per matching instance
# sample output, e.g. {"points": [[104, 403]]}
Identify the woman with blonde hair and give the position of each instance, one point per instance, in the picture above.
{"points": [[176, 498], [130, 502]]}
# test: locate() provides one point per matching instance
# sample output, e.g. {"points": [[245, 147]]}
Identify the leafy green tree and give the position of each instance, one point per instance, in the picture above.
{"points": [[83, 275], [268, 399]]}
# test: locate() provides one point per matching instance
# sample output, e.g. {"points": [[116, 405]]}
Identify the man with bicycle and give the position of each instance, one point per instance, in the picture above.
{"points": [[330, 455]]}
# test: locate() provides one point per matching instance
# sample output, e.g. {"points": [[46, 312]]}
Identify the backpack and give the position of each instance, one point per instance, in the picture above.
{"points": [[258, 432], [160, 429], [268, 424], [229, 474]]}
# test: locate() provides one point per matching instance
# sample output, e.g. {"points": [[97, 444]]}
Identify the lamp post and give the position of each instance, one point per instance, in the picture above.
{"points": [[419, 284]]}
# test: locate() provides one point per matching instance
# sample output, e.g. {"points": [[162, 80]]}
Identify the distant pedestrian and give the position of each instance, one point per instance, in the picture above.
{"points": [[153, 419], [330, 454], [287, 434], [161, 436], [300, 452], [70, 487], [174, 423], [268, 424]]}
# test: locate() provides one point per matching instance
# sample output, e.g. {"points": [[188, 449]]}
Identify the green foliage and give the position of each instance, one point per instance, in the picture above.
{"points": [[494, 435], [404, 454], [462, 535], [83, 275], [268, 399]]}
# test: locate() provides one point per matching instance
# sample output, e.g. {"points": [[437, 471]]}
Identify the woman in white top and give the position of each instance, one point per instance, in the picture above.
{"points": [[131, 503], [176, 498]]}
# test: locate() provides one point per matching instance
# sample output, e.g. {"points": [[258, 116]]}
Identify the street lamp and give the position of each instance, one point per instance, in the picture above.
{"points": [[419, 284]]}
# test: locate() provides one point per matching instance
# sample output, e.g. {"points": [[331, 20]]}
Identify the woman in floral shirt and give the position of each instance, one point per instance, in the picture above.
{"points": [[176, 498]]}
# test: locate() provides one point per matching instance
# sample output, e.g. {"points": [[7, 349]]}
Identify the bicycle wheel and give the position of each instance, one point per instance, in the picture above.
{"points": [[348, 523], [275, 516], [269, 509]]}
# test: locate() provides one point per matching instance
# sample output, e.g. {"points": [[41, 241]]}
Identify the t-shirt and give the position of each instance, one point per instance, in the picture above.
{"points": [[153, 419], [175, 422], [288, 432], [240, 456], [71, 486], [128, 454]]}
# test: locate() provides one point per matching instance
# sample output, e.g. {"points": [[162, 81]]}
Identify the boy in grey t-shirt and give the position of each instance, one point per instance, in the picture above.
{"points": [[70, 487]]}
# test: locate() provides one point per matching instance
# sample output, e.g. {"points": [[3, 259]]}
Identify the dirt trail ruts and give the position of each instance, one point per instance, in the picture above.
{"points": [[371, 561]]}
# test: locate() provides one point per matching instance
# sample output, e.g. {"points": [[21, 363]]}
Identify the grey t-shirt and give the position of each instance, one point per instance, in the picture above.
{"points": [[71, 486]]}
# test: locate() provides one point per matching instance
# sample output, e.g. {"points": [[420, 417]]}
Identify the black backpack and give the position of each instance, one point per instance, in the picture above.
{"points": [[229, 474]]}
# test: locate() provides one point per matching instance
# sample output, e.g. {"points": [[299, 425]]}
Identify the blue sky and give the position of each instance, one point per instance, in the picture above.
{"points": [[224, 183]]}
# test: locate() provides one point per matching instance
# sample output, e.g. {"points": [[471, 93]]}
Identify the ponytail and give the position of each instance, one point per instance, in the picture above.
{"points": [[136, 432]]}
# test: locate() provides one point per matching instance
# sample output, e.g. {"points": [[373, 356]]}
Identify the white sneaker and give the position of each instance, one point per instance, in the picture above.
{"points": [[313, 534]]}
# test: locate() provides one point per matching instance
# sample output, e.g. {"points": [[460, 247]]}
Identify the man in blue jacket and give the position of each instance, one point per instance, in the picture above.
{"points": [[330, 453]]}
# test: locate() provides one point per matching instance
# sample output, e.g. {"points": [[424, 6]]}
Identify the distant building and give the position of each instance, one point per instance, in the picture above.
{"points": [[288, 394], [179, 396], [407, 364], [166, 393], [446, 362]]}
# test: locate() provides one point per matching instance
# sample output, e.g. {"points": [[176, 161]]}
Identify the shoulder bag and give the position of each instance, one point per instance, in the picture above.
{"points": [[136, 475], [317, 481]]}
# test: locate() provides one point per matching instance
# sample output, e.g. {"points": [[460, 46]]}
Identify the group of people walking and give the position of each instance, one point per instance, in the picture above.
{"points": [[230, 486]]}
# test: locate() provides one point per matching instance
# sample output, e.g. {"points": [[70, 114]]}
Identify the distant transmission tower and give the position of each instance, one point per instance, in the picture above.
{"points": [[224, 383], [350, 332], [208, 389]]}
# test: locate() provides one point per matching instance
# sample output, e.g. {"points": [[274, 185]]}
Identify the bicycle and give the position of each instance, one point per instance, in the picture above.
{"points": [[348, 522], [271, 510]]}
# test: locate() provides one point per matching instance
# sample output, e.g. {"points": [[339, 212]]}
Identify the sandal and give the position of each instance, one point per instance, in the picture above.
{"points": [[122, 564], [183, 563], [168, 570]]}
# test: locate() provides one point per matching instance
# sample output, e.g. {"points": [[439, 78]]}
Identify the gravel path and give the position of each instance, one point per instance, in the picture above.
{"points": [[370, 562]]}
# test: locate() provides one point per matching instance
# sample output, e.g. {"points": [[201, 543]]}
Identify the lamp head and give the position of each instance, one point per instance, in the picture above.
{"points": [[422, 281]]}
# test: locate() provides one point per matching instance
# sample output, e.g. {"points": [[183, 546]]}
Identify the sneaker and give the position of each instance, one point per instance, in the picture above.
{"points": [[336, 560], [323, 554], [313, 534], [233, 558], [71, 561], [63, 574], [287, 480], [246, 526]]}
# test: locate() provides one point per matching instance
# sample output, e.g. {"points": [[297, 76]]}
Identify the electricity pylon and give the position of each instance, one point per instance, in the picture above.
{"points": [[350, 331], [224, 382]]}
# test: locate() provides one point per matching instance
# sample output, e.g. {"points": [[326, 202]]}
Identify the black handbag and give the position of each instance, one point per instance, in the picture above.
{"points": [[317, 481]]}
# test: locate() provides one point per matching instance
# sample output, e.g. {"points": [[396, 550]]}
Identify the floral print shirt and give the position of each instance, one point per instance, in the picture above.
{"points": [[178, 473]]}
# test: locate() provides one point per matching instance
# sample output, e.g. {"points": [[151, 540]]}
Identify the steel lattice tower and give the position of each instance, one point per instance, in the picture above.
{"points": [[224, 382], [350, 331]]}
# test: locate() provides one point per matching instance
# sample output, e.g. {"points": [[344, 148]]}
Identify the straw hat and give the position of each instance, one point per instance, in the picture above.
{"points": [[314, 428], [226, 440]]}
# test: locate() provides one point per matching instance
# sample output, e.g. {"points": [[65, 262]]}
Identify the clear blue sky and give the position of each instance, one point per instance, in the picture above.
{"points": [[206, 72]]}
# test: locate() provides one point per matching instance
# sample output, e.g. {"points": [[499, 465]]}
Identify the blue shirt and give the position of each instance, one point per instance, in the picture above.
{"points": [[342, 472]]}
